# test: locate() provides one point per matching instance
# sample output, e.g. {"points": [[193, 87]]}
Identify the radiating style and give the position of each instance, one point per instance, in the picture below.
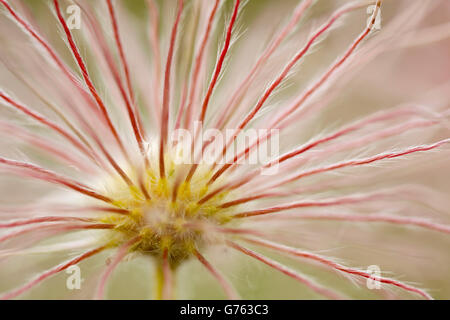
{"points": [[90, 168]]}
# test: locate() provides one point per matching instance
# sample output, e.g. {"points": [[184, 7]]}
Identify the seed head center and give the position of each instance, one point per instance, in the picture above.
{"points": [[165, 213]]}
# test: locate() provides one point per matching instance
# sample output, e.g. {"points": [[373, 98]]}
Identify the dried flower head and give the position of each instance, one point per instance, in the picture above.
{"points": [[145, 135]]}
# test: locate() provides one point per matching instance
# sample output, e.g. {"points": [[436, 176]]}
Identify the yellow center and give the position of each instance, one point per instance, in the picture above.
{"points": [[177, 224]]}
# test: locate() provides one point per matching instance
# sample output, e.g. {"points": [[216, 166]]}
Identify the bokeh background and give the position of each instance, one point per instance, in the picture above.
{"points": [[411, 66]]}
